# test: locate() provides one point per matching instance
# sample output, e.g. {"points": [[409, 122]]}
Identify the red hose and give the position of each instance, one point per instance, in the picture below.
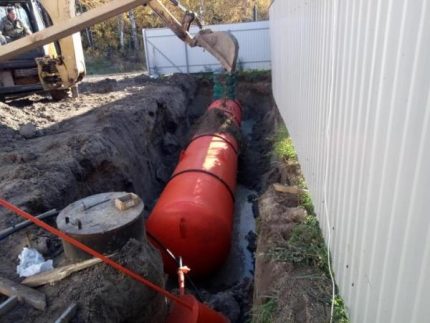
{"points": [[94, 253]]}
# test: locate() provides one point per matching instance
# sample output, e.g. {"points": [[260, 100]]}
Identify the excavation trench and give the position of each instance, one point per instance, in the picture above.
{"points": [[125, 134]]}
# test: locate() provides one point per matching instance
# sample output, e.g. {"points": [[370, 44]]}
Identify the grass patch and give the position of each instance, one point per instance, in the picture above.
{"points": [[283, 146], [306, 202], [305, 246], [265, 313], [285, 149], [340, 314]]}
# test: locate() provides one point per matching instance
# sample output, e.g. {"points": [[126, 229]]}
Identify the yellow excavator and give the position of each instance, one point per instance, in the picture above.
{"points": [[52, 59]]}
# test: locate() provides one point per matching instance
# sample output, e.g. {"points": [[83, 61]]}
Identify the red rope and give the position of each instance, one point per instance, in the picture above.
{"points": [[94, 253]]}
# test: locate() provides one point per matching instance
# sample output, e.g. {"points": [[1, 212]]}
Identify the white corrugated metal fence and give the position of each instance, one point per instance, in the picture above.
{"points": [[352, 81], [166, 53]]}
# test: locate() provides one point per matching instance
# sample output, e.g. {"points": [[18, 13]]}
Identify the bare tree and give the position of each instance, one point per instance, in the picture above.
{"points": [[121, 32], [255, 11], [87, 30], [134, 35], [245, 4]]}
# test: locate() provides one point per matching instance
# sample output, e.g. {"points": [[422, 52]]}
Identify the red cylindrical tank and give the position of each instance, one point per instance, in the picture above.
{"points": [[193, 217], [231, 107], [200, 313]]}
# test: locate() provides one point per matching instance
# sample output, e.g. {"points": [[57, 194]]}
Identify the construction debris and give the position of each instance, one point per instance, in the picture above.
{"points": [[127, 201], [28, 131], [31, 262], [8, 305], [68, 314], [288, 189], [22, 225], [58, 273], [29, 295]]}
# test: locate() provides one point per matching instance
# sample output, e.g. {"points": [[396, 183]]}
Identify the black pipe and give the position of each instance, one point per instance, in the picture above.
{"points": [[17, 227]]}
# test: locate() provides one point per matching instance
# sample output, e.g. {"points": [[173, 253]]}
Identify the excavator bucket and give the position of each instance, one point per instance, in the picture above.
{"points": [[222, 45]]}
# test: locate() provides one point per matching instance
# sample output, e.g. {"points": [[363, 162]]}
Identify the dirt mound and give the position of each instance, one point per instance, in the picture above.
{"points": [[126, 140], [105, 295], [133, 141]]}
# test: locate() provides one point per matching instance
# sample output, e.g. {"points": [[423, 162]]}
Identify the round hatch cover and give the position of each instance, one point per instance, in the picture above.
{"points": [[98, 223]]}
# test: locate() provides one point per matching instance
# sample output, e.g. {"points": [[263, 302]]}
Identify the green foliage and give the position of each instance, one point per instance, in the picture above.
{"points": [[305, 246], [306, 202], [224, 11], [105, 53], [105, 35], [281, 133], [340, 314], [265, 312], [283, 146], [302, 184]]}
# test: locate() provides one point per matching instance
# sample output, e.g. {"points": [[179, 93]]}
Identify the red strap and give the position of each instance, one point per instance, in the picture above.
{"points": [[94, 253]]}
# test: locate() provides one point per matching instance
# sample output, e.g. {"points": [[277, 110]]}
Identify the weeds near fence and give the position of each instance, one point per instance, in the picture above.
{"points": [[283, 147], [265, 312], [305, 245]]}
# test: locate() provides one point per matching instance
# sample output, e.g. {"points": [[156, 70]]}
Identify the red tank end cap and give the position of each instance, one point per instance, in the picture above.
{"points": [[230, 107], [200, 313]]}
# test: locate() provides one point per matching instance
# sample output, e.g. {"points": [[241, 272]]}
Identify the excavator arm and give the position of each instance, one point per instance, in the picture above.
{"points": [[222, 45]]}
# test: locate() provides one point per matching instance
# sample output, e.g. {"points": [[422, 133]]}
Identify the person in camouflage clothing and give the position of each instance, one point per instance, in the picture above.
{"points": [[12, 28]]}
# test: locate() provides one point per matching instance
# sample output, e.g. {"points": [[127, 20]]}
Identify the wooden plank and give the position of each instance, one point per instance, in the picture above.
{"points": [[68, 27], [58, 274], [68, 314], [288, 189], [29, 295], [8, 305]]}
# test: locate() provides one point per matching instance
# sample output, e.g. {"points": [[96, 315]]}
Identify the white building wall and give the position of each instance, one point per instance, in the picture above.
{"points": [[352, 80], [166, 53]]}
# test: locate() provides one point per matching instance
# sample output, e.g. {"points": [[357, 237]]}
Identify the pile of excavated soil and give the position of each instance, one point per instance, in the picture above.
{"points": [[102, 294], [122, 134], [126, 137]]}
